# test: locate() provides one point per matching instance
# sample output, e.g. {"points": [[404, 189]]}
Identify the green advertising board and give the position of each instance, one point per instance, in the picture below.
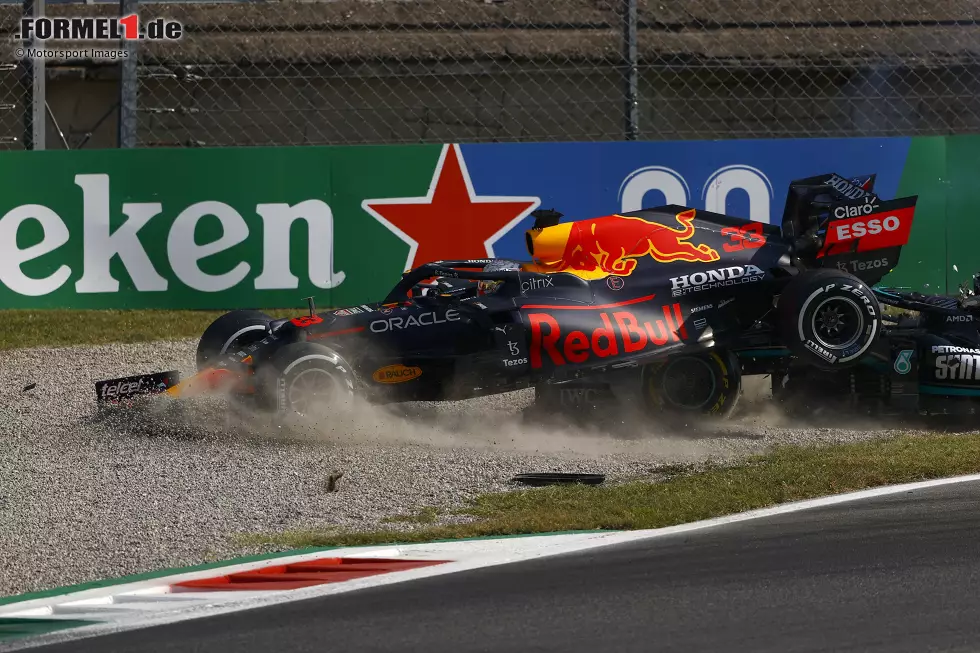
{"points": [[922, 266], [962, 224], [219, 228]]}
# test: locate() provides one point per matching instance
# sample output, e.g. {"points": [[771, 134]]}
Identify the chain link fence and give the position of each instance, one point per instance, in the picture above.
{"points": [[409, 71], [352, 71], [14, 96]]}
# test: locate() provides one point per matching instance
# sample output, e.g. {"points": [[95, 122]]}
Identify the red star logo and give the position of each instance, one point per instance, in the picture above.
{"points": [[451, 222]]}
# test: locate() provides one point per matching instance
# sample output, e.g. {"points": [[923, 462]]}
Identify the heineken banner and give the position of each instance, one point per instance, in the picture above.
{"points": [[266, 227]]}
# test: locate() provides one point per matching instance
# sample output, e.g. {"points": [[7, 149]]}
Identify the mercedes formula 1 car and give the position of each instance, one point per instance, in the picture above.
{"points": [[667, 307], [927, 361]]}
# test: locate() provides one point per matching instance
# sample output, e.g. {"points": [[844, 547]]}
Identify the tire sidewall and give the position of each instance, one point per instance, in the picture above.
{"points": [[295, 361], [800, 312], [726, 377]]}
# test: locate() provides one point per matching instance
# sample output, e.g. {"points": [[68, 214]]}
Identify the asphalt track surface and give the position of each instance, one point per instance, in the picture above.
{"points": [[896, 573]]}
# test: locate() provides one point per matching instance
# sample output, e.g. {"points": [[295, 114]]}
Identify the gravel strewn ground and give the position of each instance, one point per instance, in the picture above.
{"points": [[83, 496]]}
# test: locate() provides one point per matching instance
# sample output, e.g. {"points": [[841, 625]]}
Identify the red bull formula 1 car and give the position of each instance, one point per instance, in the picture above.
{"points": [[665, 308]]}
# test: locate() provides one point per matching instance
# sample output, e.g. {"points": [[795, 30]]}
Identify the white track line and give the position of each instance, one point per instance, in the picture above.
{"points": [[465, 555]]}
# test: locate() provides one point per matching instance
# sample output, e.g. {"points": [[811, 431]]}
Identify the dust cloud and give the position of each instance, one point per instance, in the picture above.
{"points": [[500, 423], [497, 423]]}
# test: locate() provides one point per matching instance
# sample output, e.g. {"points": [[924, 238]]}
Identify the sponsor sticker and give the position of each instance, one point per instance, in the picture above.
{"points": [[396, 374], [577, 397], [718, 278], [855, 210], [889, 226], [131, 386], [949, 349], [537, 284], [615, 332], [861, 266], [903, 362], [871, 227], [958, 367], [413, 321], [847, 188], [820, 351]]}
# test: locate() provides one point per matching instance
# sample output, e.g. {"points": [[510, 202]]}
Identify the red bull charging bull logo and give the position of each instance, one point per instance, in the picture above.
{"points": [[610, 245]]}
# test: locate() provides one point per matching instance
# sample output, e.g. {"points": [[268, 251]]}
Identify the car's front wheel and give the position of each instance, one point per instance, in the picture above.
{"points": [[229, 332], [306, 379]]}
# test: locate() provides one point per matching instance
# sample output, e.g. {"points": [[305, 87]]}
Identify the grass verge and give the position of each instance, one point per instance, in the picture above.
{"points": [[62, 328], [787, 473]]}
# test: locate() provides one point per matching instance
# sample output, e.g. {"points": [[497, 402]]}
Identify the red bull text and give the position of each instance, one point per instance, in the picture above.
{"points": [[620, 332]]}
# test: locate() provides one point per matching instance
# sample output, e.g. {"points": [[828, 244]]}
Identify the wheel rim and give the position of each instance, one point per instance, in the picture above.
{"points": [[837, 323], [309, 388], [688, 383]]}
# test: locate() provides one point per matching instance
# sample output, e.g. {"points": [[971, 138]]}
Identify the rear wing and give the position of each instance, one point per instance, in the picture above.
{"points": [[809, 199], [866, 239], [865, 227], [835, 222]]}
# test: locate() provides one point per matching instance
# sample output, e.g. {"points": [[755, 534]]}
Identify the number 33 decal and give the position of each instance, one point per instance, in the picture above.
{"points": [[747, 236]]}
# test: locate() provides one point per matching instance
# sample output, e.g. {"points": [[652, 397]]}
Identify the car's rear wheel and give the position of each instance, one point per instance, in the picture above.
{"points": [[230, 332], [305, 378], [829, 319], [706, 384]]}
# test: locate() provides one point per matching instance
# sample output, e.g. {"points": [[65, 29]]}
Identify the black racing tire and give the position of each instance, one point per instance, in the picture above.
{"points": [[828, 319], [230, 331], [708, 384], [303, 378]]}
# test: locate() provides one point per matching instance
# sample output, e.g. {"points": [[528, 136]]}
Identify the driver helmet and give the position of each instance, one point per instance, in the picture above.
{"points": [[496, 265]]}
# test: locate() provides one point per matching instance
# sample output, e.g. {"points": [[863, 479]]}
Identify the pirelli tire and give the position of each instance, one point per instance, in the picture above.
{"points": [[305, 379], [230, 332], [828, 319], [706, 384]]}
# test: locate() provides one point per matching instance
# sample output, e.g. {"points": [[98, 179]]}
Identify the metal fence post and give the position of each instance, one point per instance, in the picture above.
{"points": [[128, 83], [35, 116], [631, 77]]}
